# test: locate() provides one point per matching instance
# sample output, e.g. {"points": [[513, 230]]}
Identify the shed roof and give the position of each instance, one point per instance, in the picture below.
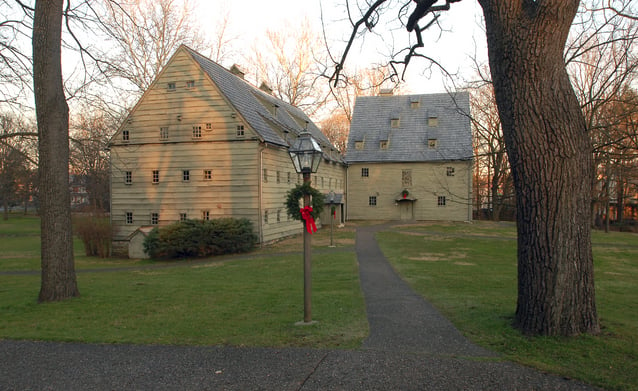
{"points": [[410, 138], [256, 107]]}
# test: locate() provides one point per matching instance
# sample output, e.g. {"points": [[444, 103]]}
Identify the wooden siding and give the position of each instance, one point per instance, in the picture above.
{"points": [[429, 182], [230, 192], [182, 109], [276, 162]]}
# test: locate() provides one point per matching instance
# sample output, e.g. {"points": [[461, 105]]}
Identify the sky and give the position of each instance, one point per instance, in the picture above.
{"points": [[462, 38]]}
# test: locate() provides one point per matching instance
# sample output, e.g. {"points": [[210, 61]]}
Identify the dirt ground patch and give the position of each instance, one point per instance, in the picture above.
{"points": [[436, 257]]}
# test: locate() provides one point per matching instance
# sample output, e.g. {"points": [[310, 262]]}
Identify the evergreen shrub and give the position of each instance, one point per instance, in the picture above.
{"points": [[201, 238]]}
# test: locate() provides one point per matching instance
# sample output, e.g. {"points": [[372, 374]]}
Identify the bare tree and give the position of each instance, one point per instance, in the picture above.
{"points": [[58, 270], [603, 64], [290, 62], [490, 156], [337, 127], [15, 69], [147, 32], [14, 161], [549, 154], [221, 48], [89, 158]]}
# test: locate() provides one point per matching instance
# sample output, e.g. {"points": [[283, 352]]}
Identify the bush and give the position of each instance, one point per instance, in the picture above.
{"points": [[94, 230], [201, 238]]}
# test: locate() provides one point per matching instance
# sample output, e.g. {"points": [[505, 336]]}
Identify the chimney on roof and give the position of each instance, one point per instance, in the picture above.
{"points": [[386, 92], [236, 70], [265, 88]]}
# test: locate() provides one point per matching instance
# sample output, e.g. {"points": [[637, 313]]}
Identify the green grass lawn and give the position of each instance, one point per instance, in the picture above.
{"points": [[468, 271], [254, 300]]}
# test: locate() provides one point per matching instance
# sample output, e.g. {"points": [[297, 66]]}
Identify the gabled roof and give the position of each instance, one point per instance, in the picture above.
{"points": [[410, 140], [256, 107]]}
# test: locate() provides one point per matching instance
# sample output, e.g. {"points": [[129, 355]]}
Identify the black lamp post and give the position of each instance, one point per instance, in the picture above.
{"points": [[306, 155]]}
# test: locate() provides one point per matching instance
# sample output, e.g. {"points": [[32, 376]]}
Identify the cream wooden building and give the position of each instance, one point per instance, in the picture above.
{"points": [[410, 158], [203, 143]]}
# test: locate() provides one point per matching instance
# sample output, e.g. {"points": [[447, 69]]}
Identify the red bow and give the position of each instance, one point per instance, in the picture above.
{"points": [[306, 213]]}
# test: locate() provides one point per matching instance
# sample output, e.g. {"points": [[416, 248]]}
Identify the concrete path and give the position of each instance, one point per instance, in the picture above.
{"points": [[410, 347]]}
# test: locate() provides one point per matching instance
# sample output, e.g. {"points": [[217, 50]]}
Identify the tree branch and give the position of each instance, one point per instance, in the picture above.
{"points": [[423, 7]]}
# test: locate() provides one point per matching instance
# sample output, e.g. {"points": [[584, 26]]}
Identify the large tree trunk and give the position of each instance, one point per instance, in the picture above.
{"points": [[550, 157], [58, 270]]}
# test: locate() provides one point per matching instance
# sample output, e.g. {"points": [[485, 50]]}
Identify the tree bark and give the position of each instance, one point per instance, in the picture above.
{"points": [[58, 269], [550, 157]]}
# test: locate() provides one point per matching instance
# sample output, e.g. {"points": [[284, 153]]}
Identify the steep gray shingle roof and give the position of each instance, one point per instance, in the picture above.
{"points": [[255, 106], [409, 142]]}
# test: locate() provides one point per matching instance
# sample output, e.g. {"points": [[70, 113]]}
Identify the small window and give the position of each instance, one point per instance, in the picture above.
{"points": [[289, 178], [190, 84], [128, 177], [154, 218], [450, 171], [208, 175], [186, 175], [129, 217], [395, 122], [432, 143], [440, 201], [278, 215], [209, 126], [155, 176], [365, 172], [183, 216], [358, 145], [164, 133], [372, 200], [205, 215], [197, 131], [125, 135], [170, 86], [433, 122], [383, 144], [266, 216], [265, 173], [406, 178], [240, 130], [278, 177]]}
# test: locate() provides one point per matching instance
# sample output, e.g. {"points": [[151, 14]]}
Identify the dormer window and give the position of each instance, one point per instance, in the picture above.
{"points": [[433, 119], [395, 122], [383, 144], [358, 145], [415, 103], [432, 143]]}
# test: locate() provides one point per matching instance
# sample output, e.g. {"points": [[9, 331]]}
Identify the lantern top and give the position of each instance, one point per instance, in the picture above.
{"points": [[305, 154]]}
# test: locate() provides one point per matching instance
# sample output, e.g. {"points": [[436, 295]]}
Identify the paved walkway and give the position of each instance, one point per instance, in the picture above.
{"points": [[410, 347]]}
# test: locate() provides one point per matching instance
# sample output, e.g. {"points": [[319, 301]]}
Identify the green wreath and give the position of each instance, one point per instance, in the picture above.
{"points": [[295, 194]]}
